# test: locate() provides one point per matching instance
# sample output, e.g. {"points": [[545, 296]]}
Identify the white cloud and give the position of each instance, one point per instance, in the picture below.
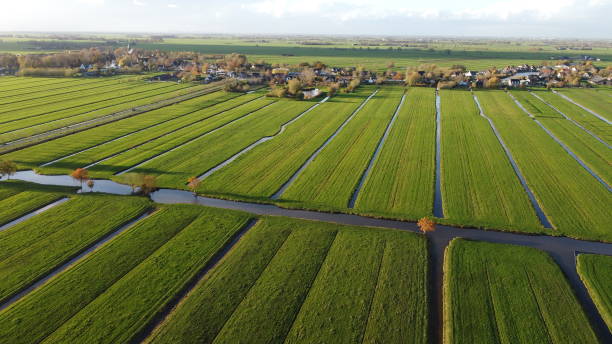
{"points": [[92, 2], [139, 3], [347, 10], [172, 5]]}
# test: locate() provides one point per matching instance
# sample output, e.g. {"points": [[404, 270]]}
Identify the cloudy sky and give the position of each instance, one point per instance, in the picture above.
{"points": [[510, 18]]}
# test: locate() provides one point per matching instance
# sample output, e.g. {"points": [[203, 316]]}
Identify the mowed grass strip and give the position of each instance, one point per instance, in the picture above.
{"points": [[34, 156], [157, 147], [38, 124], [479, 186], [33, 248], [311, 280], [198, 156], [186, 120], [261, 172], [596, 273], [44, 310], [591, 99], [586, 119], [573, 200], [124, 309], [402, 178], [331, 178], [497, 293], [594, 154]]}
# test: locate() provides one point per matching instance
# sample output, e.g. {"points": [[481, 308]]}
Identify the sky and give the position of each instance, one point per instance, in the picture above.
{"points": [[488, 18]]}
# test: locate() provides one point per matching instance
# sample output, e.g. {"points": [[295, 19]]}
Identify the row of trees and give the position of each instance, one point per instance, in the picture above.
{"points": [[145, 184]]}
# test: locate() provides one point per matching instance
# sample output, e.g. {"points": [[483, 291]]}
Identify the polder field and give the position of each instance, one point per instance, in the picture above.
{"points": [[373, 53], [301, 227]]}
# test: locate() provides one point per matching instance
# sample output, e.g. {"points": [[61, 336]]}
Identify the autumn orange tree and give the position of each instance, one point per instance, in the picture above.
{"points": [[426, 224], [193, 183], [80, 175]]}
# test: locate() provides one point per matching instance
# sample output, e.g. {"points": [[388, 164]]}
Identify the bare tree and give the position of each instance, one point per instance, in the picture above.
{"points": [[7, 168]]}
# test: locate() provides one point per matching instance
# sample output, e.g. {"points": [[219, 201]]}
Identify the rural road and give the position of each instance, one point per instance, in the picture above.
{"points": [[562, 249]]}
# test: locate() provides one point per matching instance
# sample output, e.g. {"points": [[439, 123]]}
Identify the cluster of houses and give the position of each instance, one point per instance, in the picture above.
{"points": [[512, 76], [526, 75]]}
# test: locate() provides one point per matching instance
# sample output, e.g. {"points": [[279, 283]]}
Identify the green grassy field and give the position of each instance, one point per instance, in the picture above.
{"points": [[138, 272], [596, 273], [33, 248], [20, 198], [228, 111], [192, 159], [590, 122], [495, 293], [478, 183], [402, 178], [594, 153], [259, 173], [331, 178], [184, 119], [47, 104], [556, 179], [126, 307], [34, 156], [120, 101], [285, 274], [591, 100], [344, 53]]}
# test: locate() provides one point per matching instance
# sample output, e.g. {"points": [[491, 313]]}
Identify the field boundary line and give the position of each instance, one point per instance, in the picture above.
{"points": [[563, 145], [94, 86], [169, 307], [534, 202], [492, 300], [33, 213], [39, 85], [81, 113], [170, 132], [67, 264], [374, 157], [123, 114], [128, 134], [571, 120], [70, 83], [537, 301], [264, 139], [297, 173], [63, 100], [582, 106], [118, 278], [90, 111], [312, 283], [191, 140], [375, 291]]}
